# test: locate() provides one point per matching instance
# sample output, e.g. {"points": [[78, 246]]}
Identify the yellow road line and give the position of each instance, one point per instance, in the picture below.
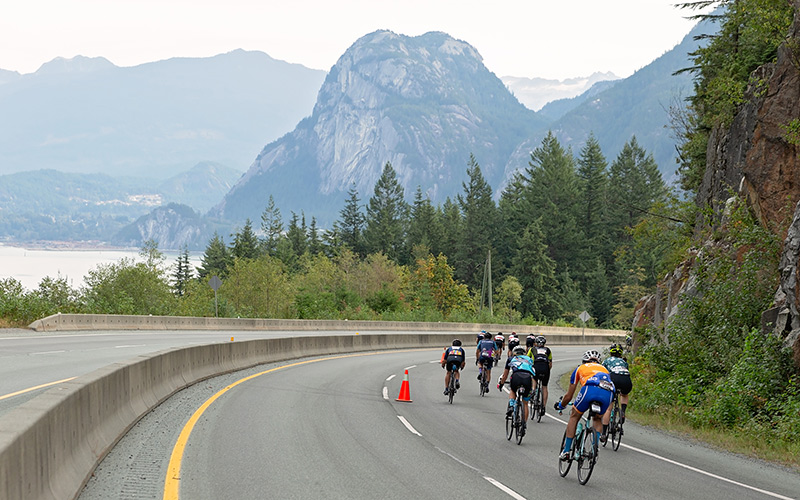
{"points": [[172, 483], [29, 389]]}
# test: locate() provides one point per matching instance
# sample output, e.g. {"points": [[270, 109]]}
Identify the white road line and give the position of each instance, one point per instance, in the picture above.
{"points": [[385, 393], [700, 471], [126, 346], [408, 426], [46, 352], [434, 361], [390, 377], [509, 491], [689, 467], [410, 367]]}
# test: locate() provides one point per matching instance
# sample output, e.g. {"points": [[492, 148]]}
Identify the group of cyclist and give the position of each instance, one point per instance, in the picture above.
{"points": [[530, 364]]}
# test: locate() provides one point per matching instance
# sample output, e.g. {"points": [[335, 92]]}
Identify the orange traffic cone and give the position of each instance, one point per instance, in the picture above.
{"points": [[405, 395]]}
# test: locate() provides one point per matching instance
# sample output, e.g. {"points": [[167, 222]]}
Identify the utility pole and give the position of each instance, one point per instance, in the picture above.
{"points": [[486, 286]]}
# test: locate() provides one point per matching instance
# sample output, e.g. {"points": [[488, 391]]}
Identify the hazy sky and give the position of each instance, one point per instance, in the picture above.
{"points": [[544, 38]]}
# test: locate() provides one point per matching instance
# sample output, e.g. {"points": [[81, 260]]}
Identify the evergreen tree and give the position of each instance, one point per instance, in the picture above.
{"points": [[297, 235], [350, 226], [450, 216], [386, 214], [424, 229], [245, 243], [216, 258], [553, 190], [183, 273], [593, 182], [536, 272], [271, 226], [479, 228], [315, 246]]}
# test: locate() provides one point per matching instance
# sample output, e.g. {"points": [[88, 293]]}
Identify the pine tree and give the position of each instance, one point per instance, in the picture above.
{"points": [[245, 243], [350, 226], [315, 246], [386, 215], [479, 229], [536, 272], [183, 273], [272, 227], [424, 229], [216, 258], [451, 222]]}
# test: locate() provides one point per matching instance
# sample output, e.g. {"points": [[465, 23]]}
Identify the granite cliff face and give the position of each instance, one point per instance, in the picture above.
{"points": [[753, 158], [422, 103]]}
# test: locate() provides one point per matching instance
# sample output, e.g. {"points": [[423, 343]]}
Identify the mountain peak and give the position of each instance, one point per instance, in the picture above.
{"points": [[77, 64]]}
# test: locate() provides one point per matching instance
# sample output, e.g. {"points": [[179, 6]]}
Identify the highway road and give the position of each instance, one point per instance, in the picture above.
{"points": [[31, 362], [331, 428]]}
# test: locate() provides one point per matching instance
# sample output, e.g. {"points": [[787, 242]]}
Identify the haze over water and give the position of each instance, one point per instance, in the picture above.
{"points": [[30, 266]]}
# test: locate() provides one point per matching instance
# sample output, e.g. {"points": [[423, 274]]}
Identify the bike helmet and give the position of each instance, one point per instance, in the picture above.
{"points": [[615, 350], [591, 355], [540, 341], [456, 342], [518, 351], [530, 340], [487, 336]]}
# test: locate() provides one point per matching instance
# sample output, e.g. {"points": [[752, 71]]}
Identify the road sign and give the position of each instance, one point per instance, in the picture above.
{"points": [[215, 282], [585, 316]]}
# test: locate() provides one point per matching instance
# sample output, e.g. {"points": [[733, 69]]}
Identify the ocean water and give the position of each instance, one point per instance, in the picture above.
{"points": [[29, 266]]}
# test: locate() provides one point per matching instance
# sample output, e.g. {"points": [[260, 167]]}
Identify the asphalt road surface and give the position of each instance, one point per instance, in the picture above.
{"points": [[331, 428]]}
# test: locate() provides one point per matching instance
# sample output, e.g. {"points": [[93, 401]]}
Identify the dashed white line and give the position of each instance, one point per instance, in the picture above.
{"points": [[390, 378], [131, 345], [408, 426], [385, 393], [46, 352], [506, 489], [410, 367]]}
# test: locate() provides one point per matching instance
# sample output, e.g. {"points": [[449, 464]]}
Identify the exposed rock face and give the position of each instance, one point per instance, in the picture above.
{"points": [[754, 159], [173, 227], [422, 103]]}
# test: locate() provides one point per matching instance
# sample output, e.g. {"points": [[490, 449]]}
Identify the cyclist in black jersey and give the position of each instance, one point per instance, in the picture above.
{"points": [[542, 364]]}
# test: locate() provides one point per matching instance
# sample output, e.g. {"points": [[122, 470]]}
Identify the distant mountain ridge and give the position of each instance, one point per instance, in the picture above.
{"points": [[535, 93], [86, 115], [422, 103]]}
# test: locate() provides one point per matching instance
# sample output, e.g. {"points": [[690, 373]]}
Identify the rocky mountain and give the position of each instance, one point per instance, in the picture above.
{"points": [[86, 115], [535, 93], [172, 227], [755, 158], [422, 103]]}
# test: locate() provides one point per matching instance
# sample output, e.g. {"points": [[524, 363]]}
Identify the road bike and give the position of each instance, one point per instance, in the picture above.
{"points": [[584, 447], [516, 421], [484, 378], [614, 430], [451, 387], [537, 406]]}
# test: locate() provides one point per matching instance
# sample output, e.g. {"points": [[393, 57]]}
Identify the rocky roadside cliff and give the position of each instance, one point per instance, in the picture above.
{"points": [[753, 158]]}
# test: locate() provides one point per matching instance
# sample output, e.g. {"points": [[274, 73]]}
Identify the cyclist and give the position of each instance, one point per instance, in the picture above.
{"points": [[484, 355], [617, 367], [499, 342], [542, 363], [513, 342], [530, 341], [595, 387], [453, 359], [522, 373], [480, 337]]}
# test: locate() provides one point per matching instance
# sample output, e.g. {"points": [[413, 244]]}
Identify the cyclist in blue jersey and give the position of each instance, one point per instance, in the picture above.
{"points": [[484, 355], [453, 359], [521, 369], [593, 385]]}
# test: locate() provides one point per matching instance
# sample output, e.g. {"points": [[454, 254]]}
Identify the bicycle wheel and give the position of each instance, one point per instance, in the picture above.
{"points": [[587, 454], [519, 420], [616, 438], [509, 426], [451, 388], [539, 404], [484, 385], [563, 465]]}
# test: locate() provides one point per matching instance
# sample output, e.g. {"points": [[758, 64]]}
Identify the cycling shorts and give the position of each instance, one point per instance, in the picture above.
{"points": [[486, 361], [623, 383], [592, 394], [454, 363], [522, 383], [542, 372]]}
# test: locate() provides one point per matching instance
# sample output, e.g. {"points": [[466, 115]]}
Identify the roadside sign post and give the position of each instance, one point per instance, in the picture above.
{"points": [[215, 283], [584, 316]]}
